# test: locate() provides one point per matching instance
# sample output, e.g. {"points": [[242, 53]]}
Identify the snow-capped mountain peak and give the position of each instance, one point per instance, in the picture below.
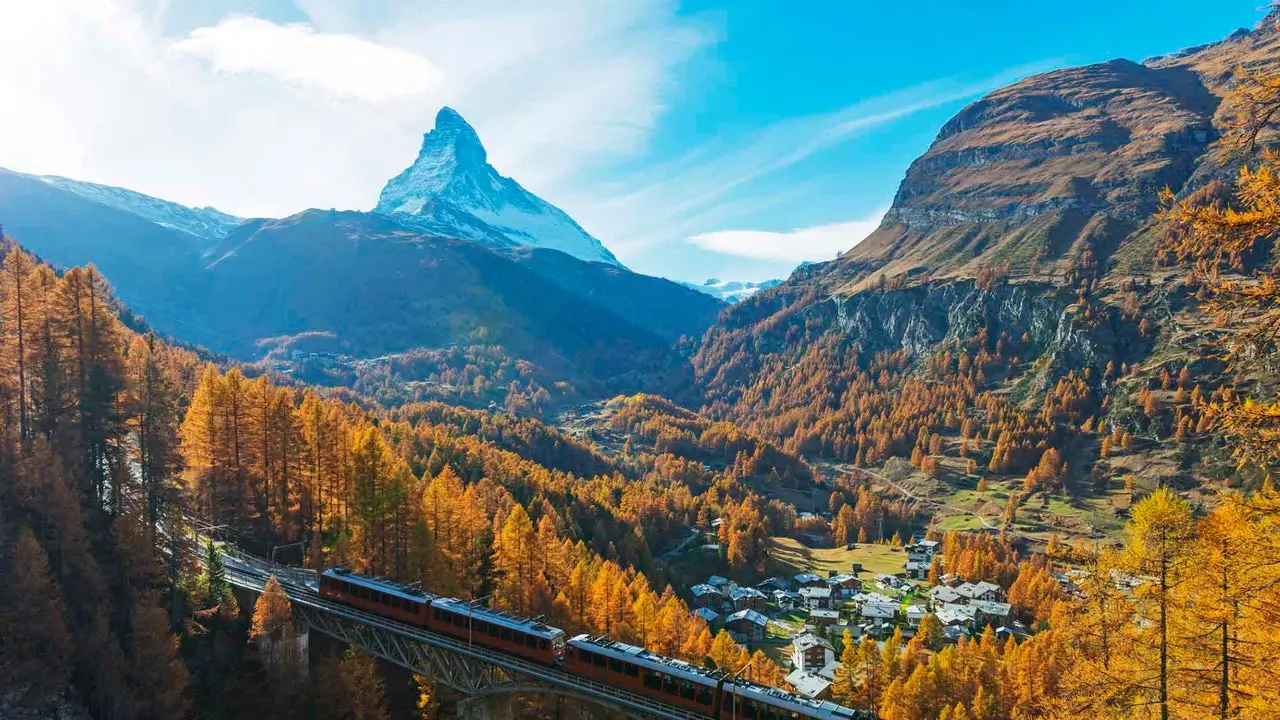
{"points": [[451, 189], [732, 291]]}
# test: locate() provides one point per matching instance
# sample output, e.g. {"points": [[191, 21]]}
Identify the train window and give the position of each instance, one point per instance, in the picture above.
{"points": [[686, 690], [652, 681], [599, 660], [615, 665], [494, 630], [460, 620], [704, 696], [530, 641], [583, 655], [631, 669], [506, 634], [543, 645]]}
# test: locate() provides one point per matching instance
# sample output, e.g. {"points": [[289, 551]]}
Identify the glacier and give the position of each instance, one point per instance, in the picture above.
{"points": [[731, 291]]}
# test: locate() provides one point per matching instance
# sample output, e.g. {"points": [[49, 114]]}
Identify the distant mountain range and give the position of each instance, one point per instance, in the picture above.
{"points": [[454, 254], [732, 291]]}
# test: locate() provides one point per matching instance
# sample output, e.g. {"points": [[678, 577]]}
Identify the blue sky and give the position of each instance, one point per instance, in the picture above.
{"points": [[695, 139]]}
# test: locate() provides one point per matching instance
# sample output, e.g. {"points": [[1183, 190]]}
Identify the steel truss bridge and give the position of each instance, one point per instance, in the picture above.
{"points": [[481, 675]]}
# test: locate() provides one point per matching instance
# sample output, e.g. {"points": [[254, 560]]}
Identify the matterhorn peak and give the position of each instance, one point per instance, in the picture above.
{"points": [[453, 133], [452, 189]]}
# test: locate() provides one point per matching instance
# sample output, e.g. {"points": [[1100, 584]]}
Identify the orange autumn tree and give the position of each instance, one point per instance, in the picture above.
{"points": [[1226, 236]]}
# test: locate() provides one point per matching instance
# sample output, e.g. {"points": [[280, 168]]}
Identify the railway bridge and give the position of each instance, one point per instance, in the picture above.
{"points": [[483, 676]]}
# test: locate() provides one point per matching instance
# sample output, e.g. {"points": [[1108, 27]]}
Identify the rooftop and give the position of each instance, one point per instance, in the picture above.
{"points": [[750, 616]]}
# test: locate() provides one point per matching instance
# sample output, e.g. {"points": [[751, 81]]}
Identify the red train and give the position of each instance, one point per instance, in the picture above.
{"points": [[616, 664], [524, 637], [677, 682]]}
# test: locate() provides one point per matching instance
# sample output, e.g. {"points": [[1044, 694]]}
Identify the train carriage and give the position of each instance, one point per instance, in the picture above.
{"points": [[528, 638], [399, 602], [690, 686], [759, 702]]}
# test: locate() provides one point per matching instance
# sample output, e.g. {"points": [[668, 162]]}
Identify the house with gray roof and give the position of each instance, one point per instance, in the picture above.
{"points": [[746, 625]]}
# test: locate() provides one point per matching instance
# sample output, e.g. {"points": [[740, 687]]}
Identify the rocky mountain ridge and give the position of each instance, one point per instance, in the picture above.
{"points": [[1035, 173], [1027, 232]]}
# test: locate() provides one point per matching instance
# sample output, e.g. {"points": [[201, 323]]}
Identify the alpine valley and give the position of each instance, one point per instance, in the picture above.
{"points": [[1012, 455]]}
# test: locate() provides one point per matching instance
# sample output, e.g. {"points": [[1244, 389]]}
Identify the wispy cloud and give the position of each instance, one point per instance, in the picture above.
{"points": [[296, 54], [821, 242], [686, 196], [705, 201]]}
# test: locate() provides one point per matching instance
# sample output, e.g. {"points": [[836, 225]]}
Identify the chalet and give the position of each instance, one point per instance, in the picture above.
{"points": [[816, 598], [989, 612], [915, 613], [880, 612], [747, 598], [721, 583], [943, 595], [786, 600], [862, 599], [807, 579], [773, 583], [980, 591], [844, 586], [810, 652], [810, 685], [706, 596], [711, 617], [824, 618], [887, 582], [952, 614], [746, 625], [922, 551], [918, 570]]}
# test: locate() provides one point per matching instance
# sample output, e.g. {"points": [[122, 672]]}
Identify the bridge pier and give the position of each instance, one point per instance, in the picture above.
{"points": [[494, 707]]}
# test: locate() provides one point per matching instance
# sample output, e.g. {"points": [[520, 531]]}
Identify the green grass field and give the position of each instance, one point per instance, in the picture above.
{"points": [[791, 557]]}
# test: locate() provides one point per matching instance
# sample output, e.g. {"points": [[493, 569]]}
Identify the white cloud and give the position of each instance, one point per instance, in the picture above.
{"points": [[821, 242], [298, 55], [257, 117]]}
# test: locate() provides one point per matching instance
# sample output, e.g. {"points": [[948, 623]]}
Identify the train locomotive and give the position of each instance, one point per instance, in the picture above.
{"points": [[710, 692]]}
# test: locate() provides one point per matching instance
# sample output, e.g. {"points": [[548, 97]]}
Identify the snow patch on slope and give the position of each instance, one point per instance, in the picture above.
{"points": [[206, 222]]}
